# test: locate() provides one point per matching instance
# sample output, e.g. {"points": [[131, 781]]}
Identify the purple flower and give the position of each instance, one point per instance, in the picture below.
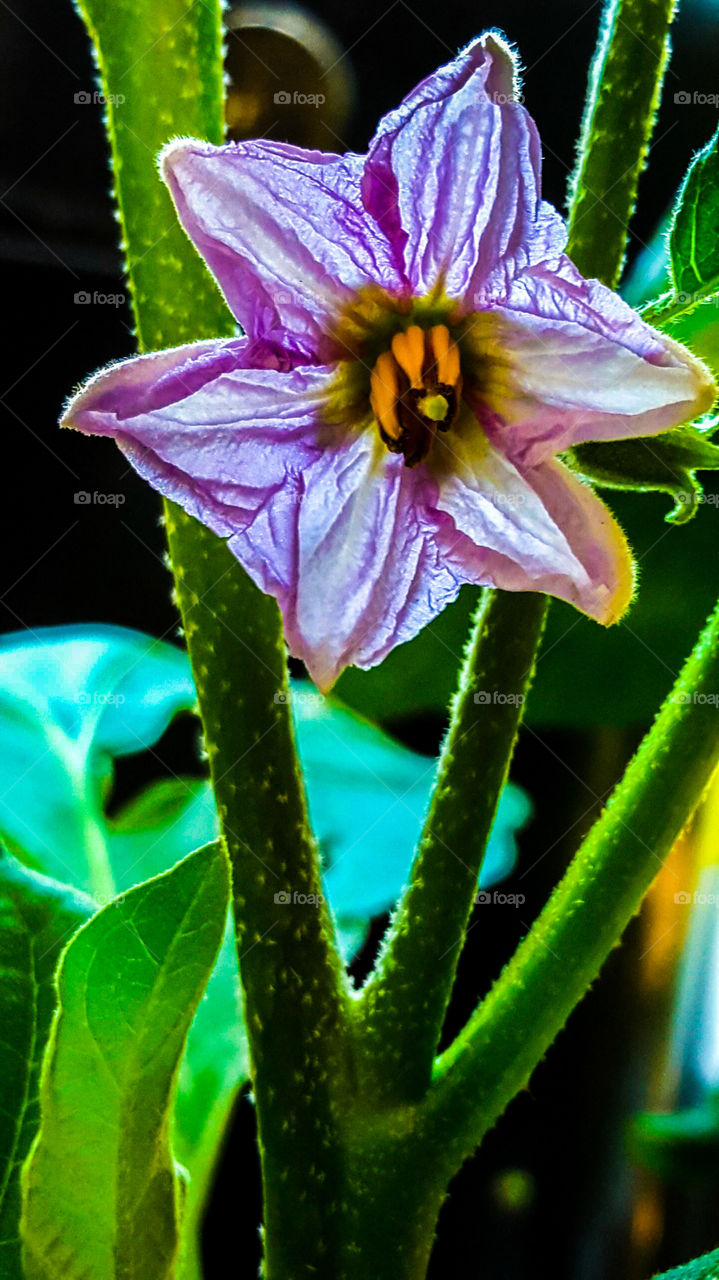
{"points": [[417, 351]]}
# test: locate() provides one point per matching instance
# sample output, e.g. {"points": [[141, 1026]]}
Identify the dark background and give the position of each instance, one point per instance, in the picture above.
{"points": [[552, 1191]]}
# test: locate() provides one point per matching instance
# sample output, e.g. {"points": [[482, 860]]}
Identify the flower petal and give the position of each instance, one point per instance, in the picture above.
{"points": [[578, 364], [453, 175], [283, 231], [356, 564], [216, 426], [541, 530]]}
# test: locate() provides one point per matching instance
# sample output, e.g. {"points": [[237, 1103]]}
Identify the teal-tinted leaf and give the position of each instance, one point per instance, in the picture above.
{"points": [[72, 698], [699, 1269], [665, 463], [37, 919], [704, 1268], [368, 797], [160, 826], [693, 240], [101, 1192]]}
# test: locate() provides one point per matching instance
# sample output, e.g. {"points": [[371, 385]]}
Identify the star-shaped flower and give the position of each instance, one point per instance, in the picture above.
{"points": [[417, 351]]}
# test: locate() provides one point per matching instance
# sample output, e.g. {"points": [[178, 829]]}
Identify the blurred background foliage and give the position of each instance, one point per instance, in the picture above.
{"points": [[580, 1179]]}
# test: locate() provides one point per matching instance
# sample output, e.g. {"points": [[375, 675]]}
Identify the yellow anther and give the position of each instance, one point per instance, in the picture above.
{"points": [[383, 395], [415, 390], [446, 355], [408, 349]]}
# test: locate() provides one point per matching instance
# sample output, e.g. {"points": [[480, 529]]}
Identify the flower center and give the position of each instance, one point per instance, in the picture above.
{"points": [[415, 390]]}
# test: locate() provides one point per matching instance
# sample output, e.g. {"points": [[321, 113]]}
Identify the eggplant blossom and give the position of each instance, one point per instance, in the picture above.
{"points": [[417, 350]]}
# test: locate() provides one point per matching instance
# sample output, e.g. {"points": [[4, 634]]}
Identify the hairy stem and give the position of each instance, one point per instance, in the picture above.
{"points": [[495, 1054], [404, 1003], [294, 983], [625, 84]]}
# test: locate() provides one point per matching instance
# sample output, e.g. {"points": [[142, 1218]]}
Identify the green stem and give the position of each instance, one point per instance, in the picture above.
{"points": [[670, 306], [495, 1054], [168, 82], [403, 1005], [624, 89], [293, 979]]}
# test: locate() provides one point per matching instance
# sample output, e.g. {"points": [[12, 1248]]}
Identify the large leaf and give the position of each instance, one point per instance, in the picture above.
{"points": [[693, 240], [81, 695], [685, 262], [102, 1195], [37, 918], [71, 699], [75, 697]]}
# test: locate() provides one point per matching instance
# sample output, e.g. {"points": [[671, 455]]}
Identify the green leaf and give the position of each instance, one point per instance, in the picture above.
{"points": [[665, 463], [693, 240], [214, 1068], [688, 260], [37, 917], [704, 1268], [71, 699], [102, 1196]]}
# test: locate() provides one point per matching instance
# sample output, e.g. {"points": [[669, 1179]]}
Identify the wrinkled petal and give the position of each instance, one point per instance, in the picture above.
{"points": [[355, 564], [218, 427], [284, 233], [453, 175], [541, 530], [576, 363]]}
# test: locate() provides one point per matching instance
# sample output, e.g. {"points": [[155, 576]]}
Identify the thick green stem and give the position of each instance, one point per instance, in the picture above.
{"points": [[403, 1004], [293, 980], [161, 68], [625, 85], [494, 1056]]}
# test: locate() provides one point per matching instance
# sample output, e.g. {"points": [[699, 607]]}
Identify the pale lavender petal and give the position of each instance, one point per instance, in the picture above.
{"points": [[541, 530], [355, 563], [219, 427], [578, 364], [453, 176], [491, 502], [283, 231]]}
